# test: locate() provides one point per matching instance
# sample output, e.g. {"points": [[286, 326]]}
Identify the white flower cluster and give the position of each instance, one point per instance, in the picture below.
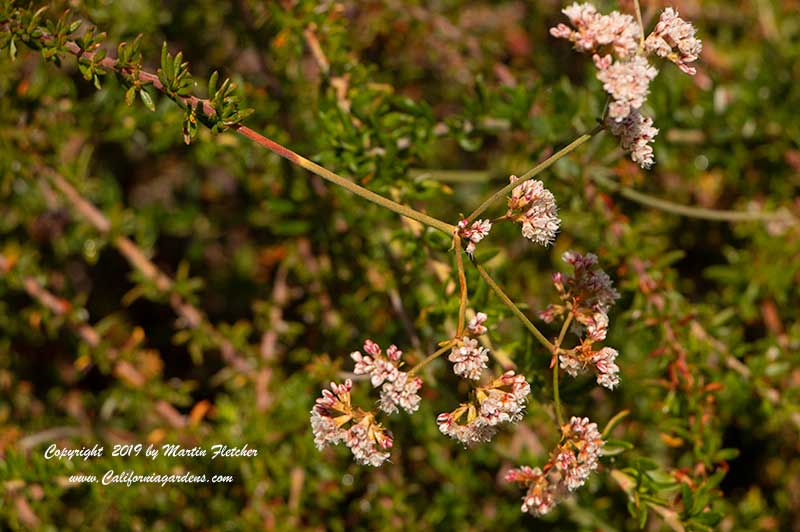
{"points": [[469, 358], [535, 208], [579, 456], [623, 68], [576, 360], [474, 233], [501, 401], [636, 133], [570, 464], [674, 39], [366, 438], [398, 388], [588, 294]]}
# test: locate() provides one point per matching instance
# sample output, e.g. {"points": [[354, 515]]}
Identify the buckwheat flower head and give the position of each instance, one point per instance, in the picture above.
{"points": [[476, 325], [473, 233], [326, 430], [504, 399], [543, 492], [330, 413], [628, 84], [335, 403], [588, 294], [469, 432], [469, 358], [593, 30], [401, 392], [674, 39], [501, 401], [635, 133], [397, 387], [570, 361], [366, 440], [570, 464], [597, 326], [581, 358], [535, 208], [590, 286], [607, 370], [579, 455]]}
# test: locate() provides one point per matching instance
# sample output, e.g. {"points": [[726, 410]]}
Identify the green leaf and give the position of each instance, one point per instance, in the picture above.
{"points": [[615, 447], [212, 84], [147, 100], [130, 95], [164, 55]]}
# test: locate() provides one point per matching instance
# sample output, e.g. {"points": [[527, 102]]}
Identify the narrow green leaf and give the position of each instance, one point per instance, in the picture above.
{"points": [[147, 100], [212, 84], [130, 94]]}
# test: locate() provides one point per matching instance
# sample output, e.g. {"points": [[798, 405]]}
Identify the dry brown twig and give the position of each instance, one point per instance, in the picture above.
{"points": [[191, 315]]}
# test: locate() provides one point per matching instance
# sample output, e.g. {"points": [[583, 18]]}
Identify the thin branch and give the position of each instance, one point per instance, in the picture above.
{"points": [[563, 332], [192, 315], [55, 304], [556, 349], [462, 283], [689, 211], [514, 308], [195, 102], [397, 301], [358, 190], [430, 358], [533, 172], [316, 50], [639, 20]]}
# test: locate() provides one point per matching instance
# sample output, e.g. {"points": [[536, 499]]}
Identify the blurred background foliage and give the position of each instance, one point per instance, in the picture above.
{"points": [[276, 277]]}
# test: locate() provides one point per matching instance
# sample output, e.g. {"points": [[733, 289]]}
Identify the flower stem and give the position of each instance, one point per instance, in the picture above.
{"points": [[195, 102], [564, 329], [514, 308], [430, 358], [356, 189], [462, 282], [533, 172], [556, 349], [639, 20], [688, 210], [556, 399]]}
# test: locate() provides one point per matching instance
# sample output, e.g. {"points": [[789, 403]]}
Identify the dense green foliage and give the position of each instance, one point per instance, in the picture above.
{"points": [[433, 107]]}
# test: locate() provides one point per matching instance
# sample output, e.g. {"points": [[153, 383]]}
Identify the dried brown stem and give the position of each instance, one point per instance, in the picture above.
{"points": [[316, 50], [193, 317], [54, 304]]}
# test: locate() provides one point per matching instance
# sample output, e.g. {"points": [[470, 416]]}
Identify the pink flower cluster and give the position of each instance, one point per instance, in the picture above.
{"points": [[469, 358], [674, 39], [576, 360], [501, 401], [636, 133], [474, 233], [622, 66], [594, 30], [628, 84], [588, 295], [398, 388], [366, 438], [589, 291], [535, 208], [569, 466]]}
